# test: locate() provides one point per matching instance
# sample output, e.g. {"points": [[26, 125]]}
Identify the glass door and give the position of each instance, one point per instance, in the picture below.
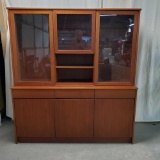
{"points": [[31, 46], [116, 47], [74, 31]]}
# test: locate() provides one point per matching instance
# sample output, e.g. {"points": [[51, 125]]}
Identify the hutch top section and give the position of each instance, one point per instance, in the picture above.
{"points": [[74, 46]]}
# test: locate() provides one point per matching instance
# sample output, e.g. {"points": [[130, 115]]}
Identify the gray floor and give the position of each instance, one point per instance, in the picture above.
{"points": [[146, 147]]}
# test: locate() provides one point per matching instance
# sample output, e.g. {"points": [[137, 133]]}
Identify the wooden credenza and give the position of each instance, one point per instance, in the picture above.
{"points": [[74, 115], [74, 74]]}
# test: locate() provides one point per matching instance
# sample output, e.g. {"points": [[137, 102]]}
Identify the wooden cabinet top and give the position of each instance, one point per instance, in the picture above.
{"points": [[94, 9]]}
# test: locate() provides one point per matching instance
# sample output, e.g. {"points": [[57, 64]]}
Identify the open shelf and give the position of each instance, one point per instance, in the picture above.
{"points": [[74, 75], [74, 60], [74, 52], [75, 67]]}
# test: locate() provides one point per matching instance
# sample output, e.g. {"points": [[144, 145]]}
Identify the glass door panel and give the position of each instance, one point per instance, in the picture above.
{"points": [[115, 47], [74, 32], [32, 35]]}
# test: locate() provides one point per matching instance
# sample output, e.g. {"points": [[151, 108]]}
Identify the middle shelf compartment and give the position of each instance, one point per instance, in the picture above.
{"points": [[75, 74], [74, 59], [74, 67]]}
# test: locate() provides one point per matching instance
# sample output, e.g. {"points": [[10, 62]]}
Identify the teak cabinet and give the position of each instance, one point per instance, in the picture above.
{"points": [[74, 74]]}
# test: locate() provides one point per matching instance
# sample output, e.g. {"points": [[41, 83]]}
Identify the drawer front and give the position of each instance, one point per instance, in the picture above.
{"points": [[33, 93], [116, 93], [74, 93]]}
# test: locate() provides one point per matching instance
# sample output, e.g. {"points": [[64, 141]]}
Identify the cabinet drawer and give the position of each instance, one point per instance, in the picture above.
{"points": [[116, 93], [33, 93], [74, 93]]}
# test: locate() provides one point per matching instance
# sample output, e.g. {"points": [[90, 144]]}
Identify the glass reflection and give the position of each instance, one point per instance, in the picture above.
{"points": [[32, 33], [74, 32], [115, 47]]}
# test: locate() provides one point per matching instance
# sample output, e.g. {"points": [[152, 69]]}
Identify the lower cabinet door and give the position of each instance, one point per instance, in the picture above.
{"points": [[114, 117], [74, 117], [34, 117]]}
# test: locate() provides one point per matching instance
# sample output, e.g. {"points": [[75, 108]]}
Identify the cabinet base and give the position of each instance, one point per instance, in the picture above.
{"points": [[76, 140]]}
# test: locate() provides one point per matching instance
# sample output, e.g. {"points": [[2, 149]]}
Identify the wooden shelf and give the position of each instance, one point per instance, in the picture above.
{"points": [[75, 67], [74, 52]]}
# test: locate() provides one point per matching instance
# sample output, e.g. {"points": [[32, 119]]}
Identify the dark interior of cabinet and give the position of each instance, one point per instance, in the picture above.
{"points": [[75, 75], [74, 59]]}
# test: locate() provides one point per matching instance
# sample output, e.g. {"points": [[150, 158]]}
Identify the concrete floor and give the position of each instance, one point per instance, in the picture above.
{"points": [[146, 147]]}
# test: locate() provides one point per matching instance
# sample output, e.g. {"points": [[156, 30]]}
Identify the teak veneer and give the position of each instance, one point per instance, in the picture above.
{"points": [[74, 74]]}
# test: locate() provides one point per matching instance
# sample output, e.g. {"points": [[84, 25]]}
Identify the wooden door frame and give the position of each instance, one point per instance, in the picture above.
{"points": [[92, 50], [14, 47], [134, 46]]}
